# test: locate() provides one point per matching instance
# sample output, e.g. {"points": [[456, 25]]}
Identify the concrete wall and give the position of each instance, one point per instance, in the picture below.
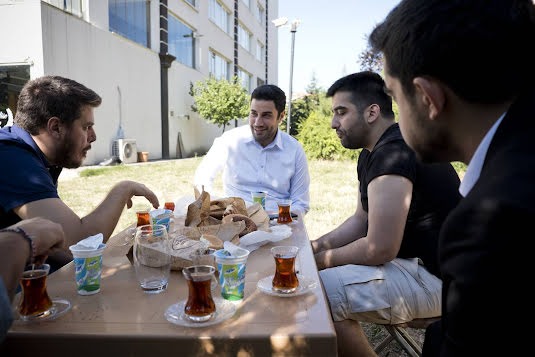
{"points": [[103, 62]]}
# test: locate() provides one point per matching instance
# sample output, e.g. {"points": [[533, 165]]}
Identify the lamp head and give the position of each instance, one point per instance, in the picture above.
{"points": [[281, 21]]}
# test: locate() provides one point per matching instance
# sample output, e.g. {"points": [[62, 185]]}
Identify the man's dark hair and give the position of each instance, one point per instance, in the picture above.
{"points": [[366, 88], [271, 92], [52, 96], [478, 48]]}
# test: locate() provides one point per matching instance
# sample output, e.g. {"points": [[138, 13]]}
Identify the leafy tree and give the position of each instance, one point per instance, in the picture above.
{"points": [[370, 60], [219, 101], [303, 107]]}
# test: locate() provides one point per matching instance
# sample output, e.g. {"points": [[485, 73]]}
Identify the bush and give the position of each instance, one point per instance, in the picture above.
{"points": [[320, 141]]}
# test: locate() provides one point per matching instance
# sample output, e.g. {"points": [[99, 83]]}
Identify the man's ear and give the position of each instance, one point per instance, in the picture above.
{"points": [[431, 94], [54, 127], [372, 113], [281, 116]]}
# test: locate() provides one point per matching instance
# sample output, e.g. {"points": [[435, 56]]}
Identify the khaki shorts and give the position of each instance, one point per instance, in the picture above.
{"points": [[392, 293]]}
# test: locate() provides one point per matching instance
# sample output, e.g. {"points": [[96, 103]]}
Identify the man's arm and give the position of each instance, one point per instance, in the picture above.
{"points": [[389, 199], [352, 229], [16, 251], [102, 220], [210, 166], [300, 184]]}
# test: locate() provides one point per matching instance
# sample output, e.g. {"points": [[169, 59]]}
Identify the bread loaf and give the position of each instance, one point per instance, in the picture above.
{"points": [[250, 226], [215, 243]]}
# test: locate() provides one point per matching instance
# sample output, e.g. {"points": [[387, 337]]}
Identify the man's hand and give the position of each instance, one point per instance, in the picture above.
{"points": [[47, 236], [132, 189], [323, 259]]}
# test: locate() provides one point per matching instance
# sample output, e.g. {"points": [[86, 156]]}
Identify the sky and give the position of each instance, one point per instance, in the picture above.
{"points": [[329, 39]]}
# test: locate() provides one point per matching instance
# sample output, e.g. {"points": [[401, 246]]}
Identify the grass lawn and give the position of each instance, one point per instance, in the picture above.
{"points": [[333, 198]]}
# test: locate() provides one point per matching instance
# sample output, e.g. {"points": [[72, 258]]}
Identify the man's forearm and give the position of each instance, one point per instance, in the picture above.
{"points": [[349, 231], [105, 217], [11, 268], [361, 252]]}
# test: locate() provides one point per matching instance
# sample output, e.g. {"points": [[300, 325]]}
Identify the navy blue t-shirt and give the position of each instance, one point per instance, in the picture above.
{"points": [[26, 174], [435, 192]]}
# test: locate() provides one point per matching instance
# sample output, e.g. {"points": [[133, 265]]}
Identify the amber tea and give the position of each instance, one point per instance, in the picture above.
{"points": [[169, 205], [34, 300], [285, 279], [143, 218], [285, 216], [200, 305]]}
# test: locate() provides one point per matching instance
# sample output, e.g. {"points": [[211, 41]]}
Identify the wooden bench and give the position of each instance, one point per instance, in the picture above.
{"points": [[398, 333]]}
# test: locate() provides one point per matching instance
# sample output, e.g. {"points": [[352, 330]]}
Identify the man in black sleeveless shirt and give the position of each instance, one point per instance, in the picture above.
{"points": [[380, 265]]}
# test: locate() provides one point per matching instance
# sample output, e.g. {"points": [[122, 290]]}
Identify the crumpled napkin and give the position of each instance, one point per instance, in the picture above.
{"points": [[90, 243], [254, 240]]}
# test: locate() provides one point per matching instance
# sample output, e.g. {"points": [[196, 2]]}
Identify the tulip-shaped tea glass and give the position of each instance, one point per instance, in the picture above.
{"points": [[201, 280], [285, 280]]}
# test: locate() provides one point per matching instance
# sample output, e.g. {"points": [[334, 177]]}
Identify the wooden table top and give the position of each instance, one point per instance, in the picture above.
{"points": [[123, 320]]}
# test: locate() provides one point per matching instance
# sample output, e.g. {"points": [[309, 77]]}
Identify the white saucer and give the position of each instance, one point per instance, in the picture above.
{"points": [[224, 309], [306, 285], [58, 308]]}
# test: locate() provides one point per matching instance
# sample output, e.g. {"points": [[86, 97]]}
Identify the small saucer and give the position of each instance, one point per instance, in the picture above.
{"points": [[58, 308], [274, 222], [306, 285], [224, 309]]}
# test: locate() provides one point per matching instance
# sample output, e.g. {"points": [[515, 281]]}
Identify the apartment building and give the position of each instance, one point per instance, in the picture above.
{"points": [[140, 56]]}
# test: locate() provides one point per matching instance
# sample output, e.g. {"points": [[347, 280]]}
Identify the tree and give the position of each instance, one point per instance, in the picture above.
{"points": [[302, 107], [370, 60], [219, 101]]}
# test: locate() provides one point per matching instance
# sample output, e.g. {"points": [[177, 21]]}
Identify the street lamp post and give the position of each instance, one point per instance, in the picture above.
{"points": [[282, 22]]}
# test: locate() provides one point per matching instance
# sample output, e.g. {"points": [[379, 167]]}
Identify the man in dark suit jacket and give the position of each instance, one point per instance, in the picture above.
{"points": [[462, 73]]}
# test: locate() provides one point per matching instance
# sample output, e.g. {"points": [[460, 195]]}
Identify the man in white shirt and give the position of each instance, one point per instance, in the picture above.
{"points": [[259, 157]]}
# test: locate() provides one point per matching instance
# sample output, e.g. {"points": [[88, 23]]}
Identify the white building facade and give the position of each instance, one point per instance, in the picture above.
{"points": [[140, 56]]}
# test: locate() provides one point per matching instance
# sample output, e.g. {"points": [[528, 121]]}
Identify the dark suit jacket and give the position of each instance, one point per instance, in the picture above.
{"points": [[485, 250]]}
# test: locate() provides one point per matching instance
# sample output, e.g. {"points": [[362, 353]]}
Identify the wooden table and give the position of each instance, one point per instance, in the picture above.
{"points": [[122, 320]]}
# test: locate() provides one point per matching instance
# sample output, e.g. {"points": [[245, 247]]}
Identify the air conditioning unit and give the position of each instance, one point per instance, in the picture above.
{"points": [[126, 150]]}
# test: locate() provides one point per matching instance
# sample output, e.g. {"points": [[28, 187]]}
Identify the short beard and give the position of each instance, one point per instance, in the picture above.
{"points": [[64, 155]]}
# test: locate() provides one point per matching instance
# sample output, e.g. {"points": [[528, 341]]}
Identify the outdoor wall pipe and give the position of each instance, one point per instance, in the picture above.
{"points": [[165, 62]]}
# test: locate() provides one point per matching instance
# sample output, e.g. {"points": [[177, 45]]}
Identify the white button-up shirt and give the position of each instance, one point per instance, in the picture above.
{"points": [[280, 168], [473, 170]]}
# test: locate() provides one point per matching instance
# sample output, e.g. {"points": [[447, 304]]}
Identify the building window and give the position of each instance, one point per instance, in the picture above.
{"points": [[246, 2], [181, 41], [259, 52], [130, 19], [260, 82], [219, 15], [244, 38], [192, 3], [71, 6], [245, 80], [260, 13], [12, 79], [218, 66]]}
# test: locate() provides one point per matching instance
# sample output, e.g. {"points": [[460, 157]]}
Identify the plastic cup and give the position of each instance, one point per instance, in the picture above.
{"points": [[87, 269], [260, 197], [161, 216], [232, 273]]}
